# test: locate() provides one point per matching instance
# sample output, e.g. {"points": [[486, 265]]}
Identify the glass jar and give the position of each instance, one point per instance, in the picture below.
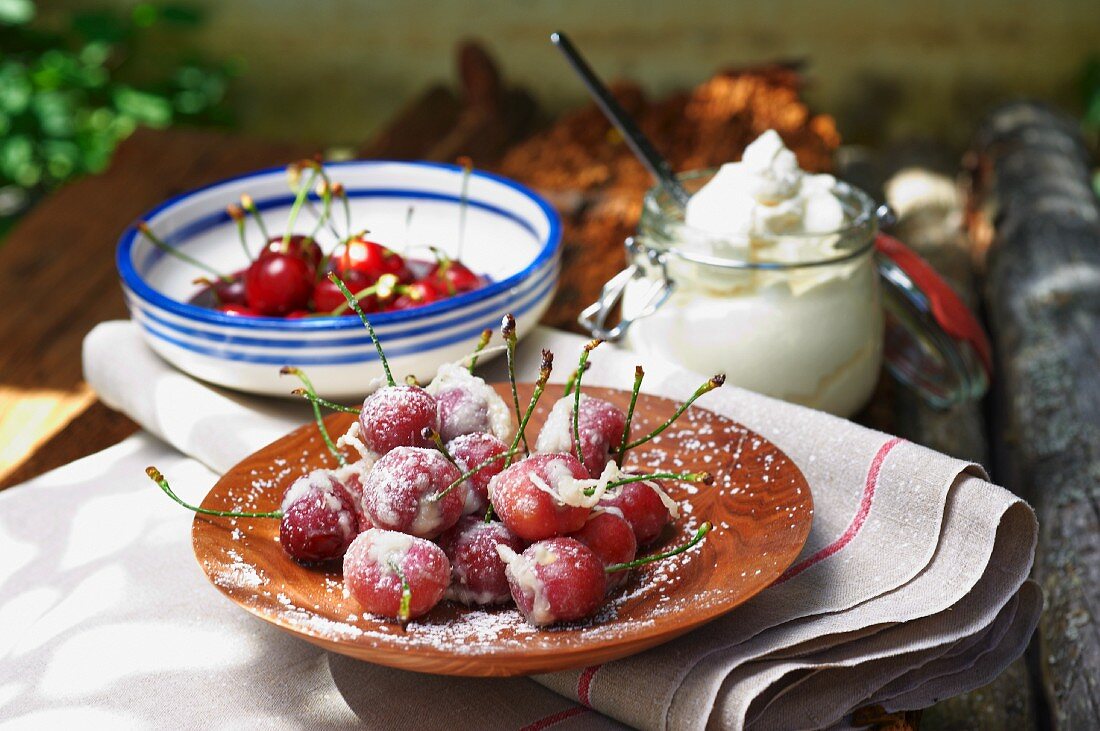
{"points": [[796, 316]]}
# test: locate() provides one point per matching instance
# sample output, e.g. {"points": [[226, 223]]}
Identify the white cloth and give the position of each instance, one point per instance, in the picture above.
{"points": [[912, 586]]}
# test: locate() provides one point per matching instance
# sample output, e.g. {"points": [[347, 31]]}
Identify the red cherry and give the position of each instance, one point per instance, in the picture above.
{"points": [[417, 294], [477, 571], [454, 277], [238, 311], [370, 258], [231, 292], [612, 540], [298, 245], [396, 416], [377, 560], [327, 296], [529, 511], [298, 314], [277, 284], [556, 580]]}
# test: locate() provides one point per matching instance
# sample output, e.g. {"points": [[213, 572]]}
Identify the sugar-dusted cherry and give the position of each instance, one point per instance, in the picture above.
{"points": [[395, 575], [471, 450], [612, 540], [396, 416], [529, 496], [555, 580], [405, 491], [477, 571], [642, 506], [600, 424], [467, 404], [321, 518]]}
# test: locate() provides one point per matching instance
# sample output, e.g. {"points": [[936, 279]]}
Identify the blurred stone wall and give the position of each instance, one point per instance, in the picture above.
{"points": [[332, 70]]}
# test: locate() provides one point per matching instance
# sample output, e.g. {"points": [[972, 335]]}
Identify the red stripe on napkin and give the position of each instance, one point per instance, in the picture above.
{"points": [[584, 683], [857, 522]]}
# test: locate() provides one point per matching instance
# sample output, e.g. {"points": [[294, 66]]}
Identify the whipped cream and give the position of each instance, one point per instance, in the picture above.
{"points": [[765, 193]]}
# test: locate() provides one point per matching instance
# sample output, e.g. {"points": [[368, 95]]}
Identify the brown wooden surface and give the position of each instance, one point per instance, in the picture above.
{"points": [[757, 496], [58, 280], [1038, 220]]}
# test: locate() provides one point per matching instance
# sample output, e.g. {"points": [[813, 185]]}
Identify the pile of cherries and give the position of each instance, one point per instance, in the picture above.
{"points": [[477, 519], [288, 277]]}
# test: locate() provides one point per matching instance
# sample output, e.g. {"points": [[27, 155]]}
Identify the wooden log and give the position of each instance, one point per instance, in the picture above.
{"points": [[1032, 206]]}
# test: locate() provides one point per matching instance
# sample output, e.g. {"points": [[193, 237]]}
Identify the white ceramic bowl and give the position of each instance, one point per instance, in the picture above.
{"points": [[512, 235]]}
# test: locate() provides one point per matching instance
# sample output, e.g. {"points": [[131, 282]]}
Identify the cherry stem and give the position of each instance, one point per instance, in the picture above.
{"points": [[341, 192], [704, 477], [713, 383], [384, 287], [326, 207], [470, 473], [581, 368], [463, 202], [408, 229], [237, 214], [508, 332], [299, 199], [572, 381], [311, 394], [330, 405], [442, 264], [536, 394], [482, 341], [157, 477], [147, 232], [695, 540], [406, 591], [250, 206], [639, 374], [489, 514], [354, 303], [433, 436]]}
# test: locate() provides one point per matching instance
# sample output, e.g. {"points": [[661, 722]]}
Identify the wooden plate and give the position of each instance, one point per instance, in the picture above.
{"points": [[759, 504]]}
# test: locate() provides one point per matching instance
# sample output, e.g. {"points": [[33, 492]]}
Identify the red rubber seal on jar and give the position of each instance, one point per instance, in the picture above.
{"points": [[948, 309]]}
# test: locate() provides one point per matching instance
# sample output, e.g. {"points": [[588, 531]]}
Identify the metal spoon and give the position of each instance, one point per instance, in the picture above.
{"points": [[639, 144]]}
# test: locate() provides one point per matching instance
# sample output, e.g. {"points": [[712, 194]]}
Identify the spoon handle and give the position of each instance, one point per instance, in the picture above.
{"points": [[635, 139]]}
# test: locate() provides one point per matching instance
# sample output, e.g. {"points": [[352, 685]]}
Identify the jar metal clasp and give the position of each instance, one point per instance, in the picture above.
{"points": [[642, 260]]}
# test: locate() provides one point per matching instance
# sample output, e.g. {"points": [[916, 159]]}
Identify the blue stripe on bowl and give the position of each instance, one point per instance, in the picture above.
{"points": [[541, 283], [551, 246], [392, 351]]}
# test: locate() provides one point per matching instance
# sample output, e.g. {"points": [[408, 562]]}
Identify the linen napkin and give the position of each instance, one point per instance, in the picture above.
{"points": [[912, 586]]}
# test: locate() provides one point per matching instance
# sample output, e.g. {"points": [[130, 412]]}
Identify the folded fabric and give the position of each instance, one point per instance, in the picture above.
{"points": [[912, 586]]}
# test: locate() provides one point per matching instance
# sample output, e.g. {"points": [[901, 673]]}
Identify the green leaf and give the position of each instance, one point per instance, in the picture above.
{"points": [[143, 107], [16, 12]]}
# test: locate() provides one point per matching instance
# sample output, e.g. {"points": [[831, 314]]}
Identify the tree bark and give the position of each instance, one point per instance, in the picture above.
{"points": [[1032, 207]]}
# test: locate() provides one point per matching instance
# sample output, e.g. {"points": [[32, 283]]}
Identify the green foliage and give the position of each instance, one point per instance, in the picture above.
{"points": [[70, 94]]}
